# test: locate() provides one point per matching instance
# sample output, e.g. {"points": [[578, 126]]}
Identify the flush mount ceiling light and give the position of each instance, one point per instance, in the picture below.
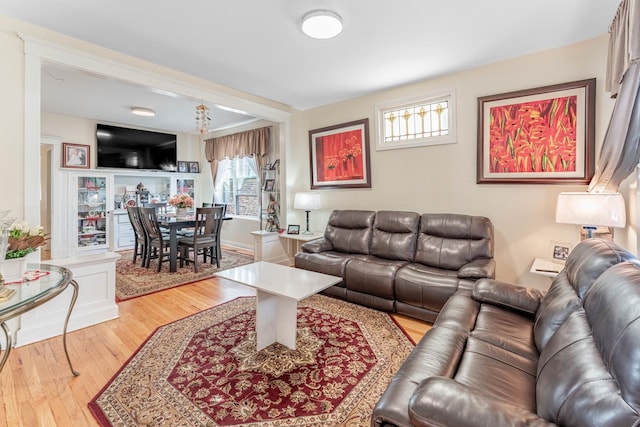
{"points": [[141, 111], [321, 24]]}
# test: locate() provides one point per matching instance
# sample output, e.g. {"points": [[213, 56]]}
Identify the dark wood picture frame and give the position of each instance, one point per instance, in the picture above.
{"points": [[77, 156], [544, 135], [293, 229], [339, 156], [183, 166], [194, 167]]}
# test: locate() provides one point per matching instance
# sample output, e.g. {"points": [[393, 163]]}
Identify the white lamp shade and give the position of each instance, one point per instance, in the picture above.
{"points": [[307, 201], [595, 209]]}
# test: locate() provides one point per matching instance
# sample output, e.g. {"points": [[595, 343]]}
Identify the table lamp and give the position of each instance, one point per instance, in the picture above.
{"points": [[307, 202], [591, 210]]}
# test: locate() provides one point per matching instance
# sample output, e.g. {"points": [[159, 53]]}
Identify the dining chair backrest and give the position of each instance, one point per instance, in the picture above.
{"points": [[159, 207], [208, 222], [136, 220], [149, 221], [224, 208]]}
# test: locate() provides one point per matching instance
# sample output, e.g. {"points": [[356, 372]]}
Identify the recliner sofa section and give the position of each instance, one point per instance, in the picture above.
{"points": [[399, 261], [506, 355]]}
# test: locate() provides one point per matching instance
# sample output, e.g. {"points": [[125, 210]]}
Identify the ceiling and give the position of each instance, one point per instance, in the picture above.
{"points": [[256, 46]]}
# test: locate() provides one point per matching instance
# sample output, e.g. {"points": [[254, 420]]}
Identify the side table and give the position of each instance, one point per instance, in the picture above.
{"points": [[31, 294], [546, 267]]}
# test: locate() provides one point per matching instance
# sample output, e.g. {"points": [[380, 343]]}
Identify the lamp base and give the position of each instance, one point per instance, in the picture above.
{"points": [[589, 232]]}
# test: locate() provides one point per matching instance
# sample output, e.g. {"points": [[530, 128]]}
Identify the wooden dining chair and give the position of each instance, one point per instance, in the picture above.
{"points": [[140, 243], [157, 243], [205, 237]]}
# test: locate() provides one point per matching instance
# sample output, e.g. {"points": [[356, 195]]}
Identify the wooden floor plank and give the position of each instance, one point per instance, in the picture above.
{"points": [[38, 389]]}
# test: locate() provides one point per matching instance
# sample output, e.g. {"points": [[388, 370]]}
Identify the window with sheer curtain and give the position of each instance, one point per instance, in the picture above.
{"points": [[238, 187]]}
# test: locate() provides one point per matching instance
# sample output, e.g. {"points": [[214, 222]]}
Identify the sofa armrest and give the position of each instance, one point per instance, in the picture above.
{"points": [[316, 246], [440, 401], [478, 268], [507, 295]]}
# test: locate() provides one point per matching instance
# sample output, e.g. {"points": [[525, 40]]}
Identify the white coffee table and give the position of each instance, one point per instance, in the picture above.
{"points": [[278, 290]]}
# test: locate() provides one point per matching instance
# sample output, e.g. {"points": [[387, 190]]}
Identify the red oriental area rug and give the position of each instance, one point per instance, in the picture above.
{"points": [[204, 370]]}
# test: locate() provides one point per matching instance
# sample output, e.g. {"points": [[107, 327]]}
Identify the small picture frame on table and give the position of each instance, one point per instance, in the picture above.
{"points": [[194, 167], [559, 251], [183, 166], [293, 229]]}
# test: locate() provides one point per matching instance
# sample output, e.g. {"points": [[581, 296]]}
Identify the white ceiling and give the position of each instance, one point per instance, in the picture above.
{"points": [[257, 46]]}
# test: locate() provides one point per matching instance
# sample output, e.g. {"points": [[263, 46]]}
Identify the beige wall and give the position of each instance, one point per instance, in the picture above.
{"points": [[443, 178], [426, 179]]}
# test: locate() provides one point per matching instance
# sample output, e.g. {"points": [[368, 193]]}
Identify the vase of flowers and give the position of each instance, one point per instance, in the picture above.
{"points": [[16, 242], [182, 202]]}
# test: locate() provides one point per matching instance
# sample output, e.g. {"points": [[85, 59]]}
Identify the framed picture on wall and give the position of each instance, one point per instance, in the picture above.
{"points": [[544, 135], [75, 155], [339, 156]]}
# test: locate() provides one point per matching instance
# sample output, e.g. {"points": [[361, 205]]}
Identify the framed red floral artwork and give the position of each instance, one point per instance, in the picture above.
{"points": [[340, 156], [544, 135]]}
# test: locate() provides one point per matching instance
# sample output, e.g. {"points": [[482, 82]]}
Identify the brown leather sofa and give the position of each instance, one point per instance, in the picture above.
{"points": [[401, 262], [506, 355]]}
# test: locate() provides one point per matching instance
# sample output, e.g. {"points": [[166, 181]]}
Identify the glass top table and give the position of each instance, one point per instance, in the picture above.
{"points": [[48, 282]]}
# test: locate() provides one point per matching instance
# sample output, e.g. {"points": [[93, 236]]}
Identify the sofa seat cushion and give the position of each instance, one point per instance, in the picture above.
{"points": [[506, 329], [499, 373], [428, 287], [372, 275], [329, 262]]}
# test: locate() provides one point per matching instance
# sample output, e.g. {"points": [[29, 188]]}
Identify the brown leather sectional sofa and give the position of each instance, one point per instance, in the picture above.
{"points": [[401, 262], [505, 355]]}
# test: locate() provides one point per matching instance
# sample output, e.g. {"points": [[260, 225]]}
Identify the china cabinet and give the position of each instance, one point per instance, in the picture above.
{"points": [[91, 212]]}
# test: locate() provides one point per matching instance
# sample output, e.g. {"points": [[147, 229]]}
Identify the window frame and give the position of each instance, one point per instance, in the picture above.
{"points": [[236, 194], [448, 95]]}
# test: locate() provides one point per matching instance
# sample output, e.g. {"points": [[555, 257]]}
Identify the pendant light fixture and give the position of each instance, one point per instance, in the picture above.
{"points": [[203, 120]]}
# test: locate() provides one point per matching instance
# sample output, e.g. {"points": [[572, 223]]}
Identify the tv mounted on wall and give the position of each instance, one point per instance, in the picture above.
{"points": [[124, 148]]}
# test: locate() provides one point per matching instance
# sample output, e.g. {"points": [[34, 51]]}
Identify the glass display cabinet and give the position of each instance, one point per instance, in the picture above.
{"points": [[92, 226]]}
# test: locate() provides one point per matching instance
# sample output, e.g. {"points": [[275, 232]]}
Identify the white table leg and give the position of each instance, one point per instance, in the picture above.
{"points": [[276, 319]]}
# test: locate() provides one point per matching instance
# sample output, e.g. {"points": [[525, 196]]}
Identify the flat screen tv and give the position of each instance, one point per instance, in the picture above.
{"points": [[125, 148]]}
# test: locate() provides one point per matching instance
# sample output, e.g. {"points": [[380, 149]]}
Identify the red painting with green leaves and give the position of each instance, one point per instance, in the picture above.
{"points": [[537, 136]]}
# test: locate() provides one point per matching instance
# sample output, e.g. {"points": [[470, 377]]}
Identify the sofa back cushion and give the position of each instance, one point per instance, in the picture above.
{"points": [[394, 235], [350, 230], [589, 372], [449, 241], [586, 262]]}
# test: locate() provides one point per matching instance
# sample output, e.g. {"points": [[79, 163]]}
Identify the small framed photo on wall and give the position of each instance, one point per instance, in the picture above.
{"points": [[194, 167], [75, 155]]}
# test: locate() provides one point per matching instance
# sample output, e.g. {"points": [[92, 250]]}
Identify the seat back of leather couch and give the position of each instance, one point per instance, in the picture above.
{"points": [[586, 262], [449, 241], [589, 372], [350, 231], [394, 235]]}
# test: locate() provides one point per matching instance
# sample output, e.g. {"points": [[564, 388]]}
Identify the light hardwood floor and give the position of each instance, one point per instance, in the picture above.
{"points": [[38, 389]]}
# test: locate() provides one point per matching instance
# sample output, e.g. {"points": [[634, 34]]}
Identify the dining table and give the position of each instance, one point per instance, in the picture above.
{"points": [[173, 223]]}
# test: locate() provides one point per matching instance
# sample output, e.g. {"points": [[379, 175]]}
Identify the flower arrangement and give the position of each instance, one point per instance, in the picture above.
{"points": [[24, 239], [181, 201], [331, 163]]}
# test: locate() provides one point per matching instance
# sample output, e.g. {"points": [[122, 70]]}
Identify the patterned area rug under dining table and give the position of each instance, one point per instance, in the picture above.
{"points": [[133, 280], [204, 370]]}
